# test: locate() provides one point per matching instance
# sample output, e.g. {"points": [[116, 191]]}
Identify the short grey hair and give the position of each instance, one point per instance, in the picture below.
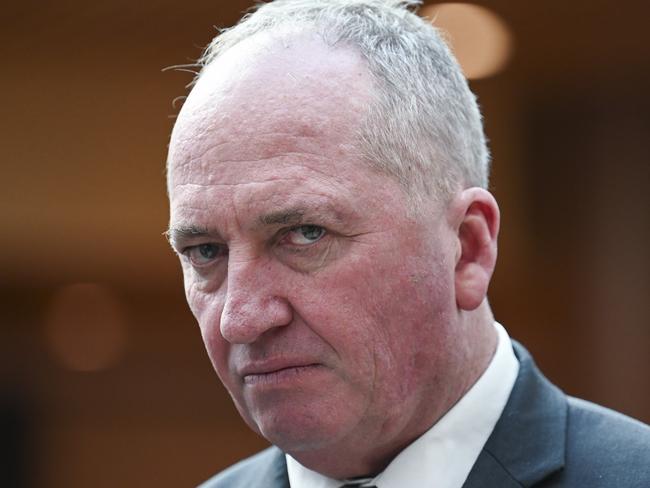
{"points": [[424, 126]]}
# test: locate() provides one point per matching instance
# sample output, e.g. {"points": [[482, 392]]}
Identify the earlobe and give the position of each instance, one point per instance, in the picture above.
{"points": [[477, 232]]}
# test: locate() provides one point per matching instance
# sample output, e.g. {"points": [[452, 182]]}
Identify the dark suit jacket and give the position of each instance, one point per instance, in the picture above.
{"points": [[543, 439]]}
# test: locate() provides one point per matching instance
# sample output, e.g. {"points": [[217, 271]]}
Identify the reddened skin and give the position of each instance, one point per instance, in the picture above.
{"points": [[476, 220]]}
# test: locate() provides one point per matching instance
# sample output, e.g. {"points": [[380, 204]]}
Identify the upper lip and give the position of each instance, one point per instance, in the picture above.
{"points": [[272, 365]]}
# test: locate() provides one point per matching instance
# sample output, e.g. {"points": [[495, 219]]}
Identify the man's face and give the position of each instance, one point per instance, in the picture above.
{"points": [[324, 306]]}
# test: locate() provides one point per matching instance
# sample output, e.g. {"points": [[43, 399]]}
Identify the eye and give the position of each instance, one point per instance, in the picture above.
{"points": [[305, 235], [205, 254]]}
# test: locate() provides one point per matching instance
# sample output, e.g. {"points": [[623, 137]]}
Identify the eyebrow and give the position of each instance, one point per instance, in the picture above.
{"points": [[313, 213], [283, 217], [186, 232]]}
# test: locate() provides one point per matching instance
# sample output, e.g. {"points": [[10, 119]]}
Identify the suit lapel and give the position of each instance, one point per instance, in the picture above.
{"points": [[488, 472], [528, 442]]}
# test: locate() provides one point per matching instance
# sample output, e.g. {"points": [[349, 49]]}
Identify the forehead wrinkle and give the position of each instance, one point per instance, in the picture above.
{"points": [[201, 141], [197, 139], [214, 177], [213, 170], [209, 184]]}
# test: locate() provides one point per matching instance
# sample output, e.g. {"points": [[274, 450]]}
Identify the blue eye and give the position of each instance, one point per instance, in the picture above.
{"points": [[205, 254], [305, 235]]}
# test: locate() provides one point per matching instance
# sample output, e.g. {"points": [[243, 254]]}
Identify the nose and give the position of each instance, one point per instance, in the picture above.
{"points": [[254, 302]]}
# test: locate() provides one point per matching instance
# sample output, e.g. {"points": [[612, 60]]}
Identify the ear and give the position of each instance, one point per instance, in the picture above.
{"points": [[477, 224]]}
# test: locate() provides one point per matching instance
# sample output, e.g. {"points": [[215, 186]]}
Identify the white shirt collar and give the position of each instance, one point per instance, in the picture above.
{"points": [[444, 455]]}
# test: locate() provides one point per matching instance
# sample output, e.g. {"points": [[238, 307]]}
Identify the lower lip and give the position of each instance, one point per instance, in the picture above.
{"points": [[281, 376]]}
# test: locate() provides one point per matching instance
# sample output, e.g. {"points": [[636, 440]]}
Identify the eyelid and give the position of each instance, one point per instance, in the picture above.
{"points": [[221, 251], [287, 231]]}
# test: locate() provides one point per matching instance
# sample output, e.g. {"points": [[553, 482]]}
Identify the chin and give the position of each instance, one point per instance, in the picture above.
{"points": [[295, 428]]}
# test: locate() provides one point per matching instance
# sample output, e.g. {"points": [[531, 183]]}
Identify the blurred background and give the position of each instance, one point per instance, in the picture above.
{"points": [[103, 377]]}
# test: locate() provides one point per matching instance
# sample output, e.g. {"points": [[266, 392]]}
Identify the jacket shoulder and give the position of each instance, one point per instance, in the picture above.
{"points": [[604, 448], [611, 440], [266, 468], [547, 439]]}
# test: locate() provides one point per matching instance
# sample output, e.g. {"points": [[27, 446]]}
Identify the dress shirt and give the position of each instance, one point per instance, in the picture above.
{"points": [[444, 455]]}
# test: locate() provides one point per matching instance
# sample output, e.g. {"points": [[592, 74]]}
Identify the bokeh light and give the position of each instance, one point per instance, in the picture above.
{"points": [[480, 39]]}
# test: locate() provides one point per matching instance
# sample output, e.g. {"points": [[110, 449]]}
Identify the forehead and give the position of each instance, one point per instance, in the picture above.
{"points": [[272, 111], [291, 94]]}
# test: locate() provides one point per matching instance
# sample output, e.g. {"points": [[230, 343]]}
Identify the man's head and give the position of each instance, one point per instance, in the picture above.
{"points": [[342, 323]]}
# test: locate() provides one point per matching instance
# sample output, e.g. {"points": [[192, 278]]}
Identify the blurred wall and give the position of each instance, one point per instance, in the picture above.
{"points": [[131, 400]]}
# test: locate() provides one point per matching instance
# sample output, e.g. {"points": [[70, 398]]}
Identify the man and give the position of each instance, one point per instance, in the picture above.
{"points": [[327, 181]]}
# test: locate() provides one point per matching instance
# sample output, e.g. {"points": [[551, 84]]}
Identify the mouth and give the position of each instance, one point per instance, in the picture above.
{"points": [[278, 375]]}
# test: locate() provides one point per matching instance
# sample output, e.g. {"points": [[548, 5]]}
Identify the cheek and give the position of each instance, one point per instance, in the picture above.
{"points": [[203, 296], [207, 306], [390, 316]]}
